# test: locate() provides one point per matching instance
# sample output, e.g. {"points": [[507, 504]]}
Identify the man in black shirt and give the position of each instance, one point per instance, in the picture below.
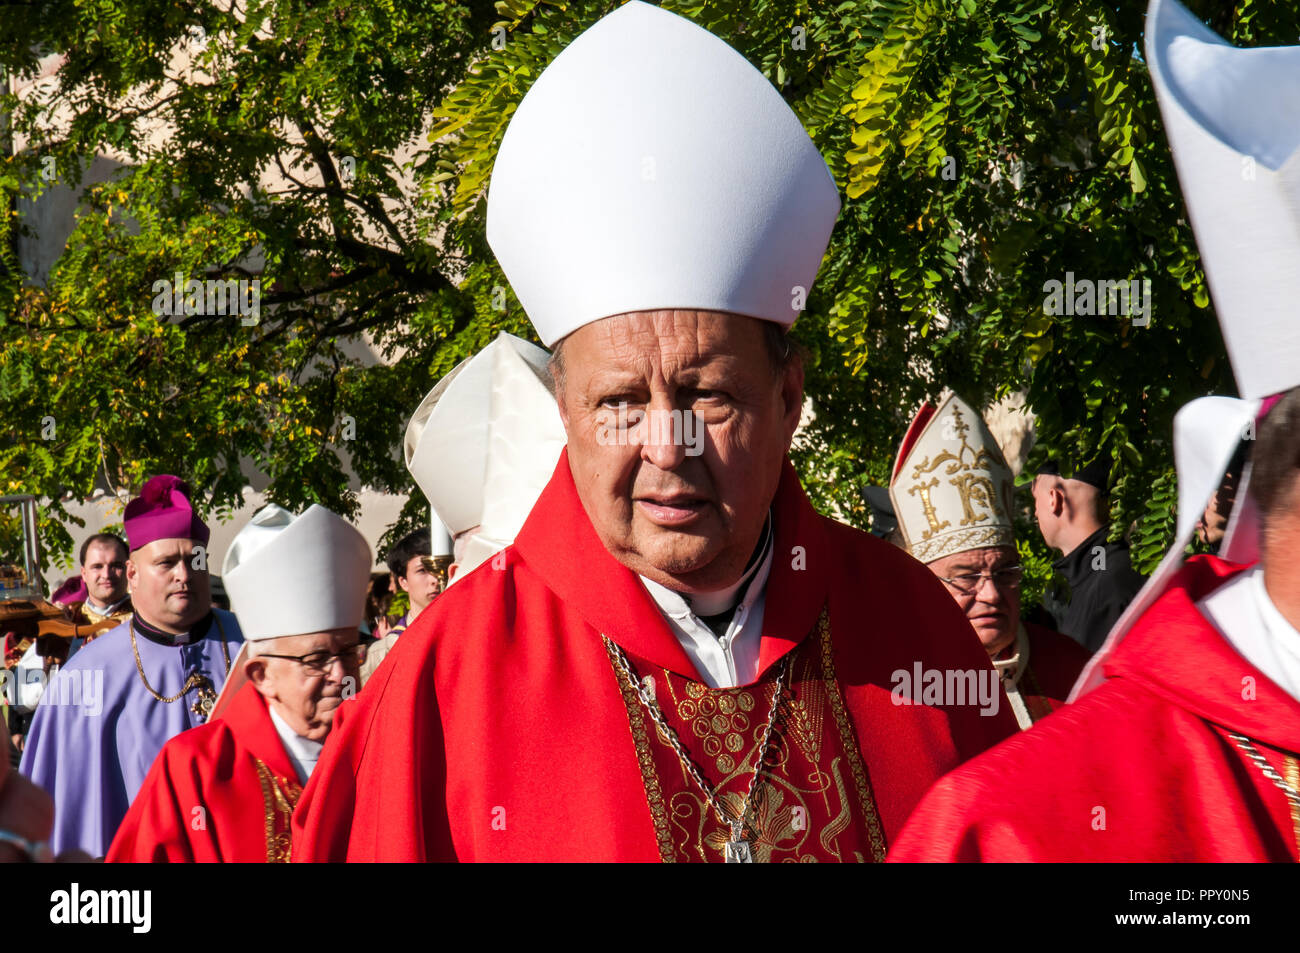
{"points": [[1072, 515]]}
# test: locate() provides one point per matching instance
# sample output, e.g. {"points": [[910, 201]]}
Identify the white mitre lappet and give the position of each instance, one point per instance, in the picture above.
{"points": [[1232, 117], [288, 575], [951, 488], [650, 166], [484, 442]]}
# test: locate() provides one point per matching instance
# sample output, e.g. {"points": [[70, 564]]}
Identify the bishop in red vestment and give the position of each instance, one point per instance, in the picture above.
{"points": [[952, 493], [225, 791], [678, 659], [1146, 767], [501, 727]]}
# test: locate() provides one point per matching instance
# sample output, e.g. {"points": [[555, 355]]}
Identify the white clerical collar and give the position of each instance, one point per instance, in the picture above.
{"points": [[1247, 618], [730, 659], [1010, 670], [303, 752], [103, 610]]}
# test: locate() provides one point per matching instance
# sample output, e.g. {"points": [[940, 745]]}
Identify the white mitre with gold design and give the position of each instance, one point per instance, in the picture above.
{"points": [[651, 166], [951, 488], [484, 442]]}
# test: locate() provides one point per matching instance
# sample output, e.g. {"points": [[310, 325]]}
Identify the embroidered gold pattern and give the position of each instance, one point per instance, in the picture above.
{"points": [[278, 802], [960, 540], [976, 489], [981, 497], [649, 776], [931, 515], [1292, 775], [723, 734], [859, 771]]}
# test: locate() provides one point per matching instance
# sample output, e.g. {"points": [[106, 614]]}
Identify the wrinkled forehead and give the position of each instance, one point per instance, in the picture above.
{"points": [[666, 343]]}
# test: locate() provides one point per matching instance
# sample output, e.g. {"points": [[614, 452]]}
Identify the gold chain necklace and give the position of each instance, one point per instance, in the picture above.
{"points": [[207, 695]]}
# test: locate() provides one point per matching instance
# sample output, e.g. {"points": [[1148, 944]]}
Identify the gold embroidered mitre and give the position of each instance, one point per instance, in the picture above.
{"points": [[952, 488]]}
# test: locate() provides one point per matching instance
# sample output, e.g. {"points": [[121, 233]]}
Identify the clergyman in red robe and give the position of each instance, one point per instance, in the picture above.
{"points": [[678, 659], [953, 495], [225, 791]]}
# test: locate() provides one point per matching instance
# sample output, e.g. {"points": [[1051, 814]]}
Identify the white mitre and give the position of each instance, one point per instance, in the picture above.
{"points": [[952, 489], [1233, 121], [650, 166], [265, 525], [288, 575], [484, 443], [1232, 117]]}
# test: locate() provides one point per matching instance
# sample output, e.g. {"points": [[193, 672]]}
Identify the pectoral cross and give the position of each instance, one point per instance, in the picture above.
{"points": [[736, 850], [207, 699]]}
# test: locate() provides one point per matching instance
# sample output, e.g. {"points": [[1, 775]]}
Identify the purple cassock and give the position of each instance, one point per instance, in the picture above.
{"points": [[98, 727]]}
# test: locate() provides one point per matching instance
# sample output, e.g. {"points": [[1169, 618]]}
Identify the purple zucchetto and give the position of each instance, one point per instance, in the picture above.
{"points": [[163, 511]]}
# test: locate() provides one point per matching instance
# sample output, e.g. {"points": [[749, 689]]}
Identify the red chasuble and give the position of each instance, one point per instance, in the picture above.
{"points": [[1055, 663], [224, 791], [1141, 768], [500, 727]]}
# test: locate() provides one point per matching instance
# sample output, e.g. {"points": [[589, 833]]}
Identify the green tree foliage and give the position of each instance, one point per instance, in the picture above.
{"points": [[280, 140], [983, 149]]}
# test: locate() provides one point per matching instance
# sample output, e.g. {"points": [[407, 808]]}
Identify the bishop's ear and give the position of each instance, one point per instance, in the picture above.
{"points": [[255, 671]]}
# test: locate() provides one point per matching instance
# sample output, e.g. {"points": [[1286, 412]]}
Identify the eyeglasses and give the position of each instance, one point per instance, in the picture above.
{"points": [[1009, 577], [319, 663]]}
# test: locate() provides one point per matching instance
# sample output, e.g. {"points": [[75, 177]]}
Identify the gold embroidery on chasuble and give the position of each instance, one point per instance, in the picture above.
{"points": [[279, 796], [814, 800], [1292, 775]]}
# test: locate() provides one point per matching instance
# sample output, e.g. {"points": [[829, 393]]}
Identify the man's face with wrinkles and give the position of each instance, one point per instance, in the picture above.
{"points": [[634, 387]]}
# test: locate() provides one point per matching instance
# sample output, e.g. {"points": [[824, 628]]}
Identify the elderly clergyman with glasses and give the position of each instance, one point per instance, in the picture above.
{"points": [[226, 791], [952, 491]]}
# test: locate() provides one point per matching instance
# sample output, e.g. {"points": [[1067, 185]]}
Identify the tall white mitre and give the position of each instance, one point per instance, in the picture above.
{"points": [[484, 442], [288, 575], [650, 166], [1232, 117], [952, 489]]}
